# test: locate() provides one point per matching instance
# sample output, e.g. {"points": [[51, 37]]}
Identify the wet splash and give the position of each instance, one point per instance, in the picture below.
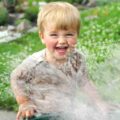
{"points": [[57, 92], [63, 93]]}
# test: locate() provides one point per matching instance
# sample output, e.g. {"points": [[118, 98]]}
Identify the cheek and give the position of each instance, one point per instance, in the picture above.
{"points": [[72, 42], [50, 43]]}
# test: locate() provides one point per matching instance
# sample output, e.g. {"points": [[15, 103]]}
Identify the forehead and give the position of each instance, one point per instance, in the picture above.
{"points": [[55, 27]]}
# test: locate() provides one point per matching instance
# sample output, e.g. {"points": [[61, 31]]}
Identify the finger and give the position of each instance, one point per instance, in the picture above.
{"points": [[32, 112], [28, 113], [23, 114], [18, 115]]}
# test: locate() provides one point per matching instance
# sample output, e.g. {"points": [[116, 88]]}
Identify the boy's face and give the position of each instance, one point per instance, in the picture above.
{"points": [[59, 43]]}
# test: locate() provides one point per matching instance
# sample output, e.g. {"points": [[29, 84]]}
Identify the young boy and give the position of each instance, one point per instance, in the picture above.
{"points": [[48, 78]]}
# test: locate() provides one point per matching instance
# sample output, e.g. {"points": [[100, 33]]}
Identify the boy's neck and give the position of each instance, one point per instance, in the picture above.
{"points": [[52, 60]]}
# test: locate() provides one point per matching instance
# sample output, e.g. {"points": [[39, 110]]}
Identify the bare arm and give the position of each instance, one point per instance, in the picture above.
{"points": [[21, 92]]}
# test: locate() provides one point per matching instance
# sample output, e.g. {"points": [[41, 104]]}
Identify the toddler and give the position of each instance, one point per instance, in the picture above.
{"points": [[46, 81]]}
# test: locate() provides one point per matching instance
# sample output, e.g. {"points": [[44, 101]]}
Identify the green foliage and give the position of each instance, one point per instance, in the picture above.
{"points": [[100, 28], [3, 15], [99, 2], [70, 1], [104, 2], [12, 54], [17, 22], [78, 1], [31, 13], [10, 5], [31, 1], [9, 2], [100, 31], [106, 75]]}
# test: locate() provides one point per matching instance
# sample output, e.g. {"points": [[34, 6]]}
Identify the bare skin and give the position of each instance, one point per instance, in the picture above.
{"points": [[28, 112]]}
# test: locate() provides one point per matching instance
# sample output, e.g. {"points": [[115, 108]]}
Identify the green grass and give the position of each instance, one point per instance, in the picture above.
{"points": [[12, 54], [106, 76], [100, 31]]}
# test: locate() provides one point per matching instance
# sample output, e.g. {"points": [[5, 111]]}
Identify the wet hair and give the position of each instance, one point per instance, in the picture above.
{"points": [[61, 15]]}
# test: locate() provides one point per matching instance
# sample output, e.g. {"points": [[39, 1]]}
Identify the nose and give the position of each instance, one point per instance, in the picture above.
{"points": [[62, 40]]}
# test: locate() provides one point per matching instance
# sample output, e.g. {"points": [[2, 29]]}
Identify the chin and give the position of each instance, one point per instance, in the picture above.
{"points": [[61, 57]]}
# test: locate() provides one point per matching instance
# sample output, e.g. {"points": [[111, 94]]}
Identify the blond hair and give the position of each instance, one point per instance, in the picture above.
{"points": [[62, 15]]}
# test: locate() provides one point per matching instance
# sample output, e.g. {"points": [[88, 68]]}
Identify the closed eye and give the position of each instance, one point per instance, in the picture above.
{"points": [[53, 34], [70, 34]]}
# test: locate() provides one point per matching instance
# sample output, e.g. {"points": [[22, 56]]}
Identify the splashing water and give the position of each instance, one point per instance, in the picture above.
{"points": [[57, 92]]}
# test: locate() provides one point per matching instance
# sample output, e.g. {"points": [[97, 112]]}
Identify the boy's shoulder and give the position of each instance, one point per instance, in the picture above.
{"points": [[38, 56], [31, 61], [35, 58], [79, 54]]}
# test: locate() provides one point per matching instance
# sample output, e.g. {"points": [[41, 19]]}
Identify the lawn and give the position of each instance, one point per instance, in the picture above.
{"points": [[99, 35]]}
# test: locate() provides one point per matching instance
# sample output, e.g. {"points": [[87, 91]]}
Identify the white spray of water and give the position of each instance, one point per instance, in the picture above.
{"points": [[54, 91], [57, 92]]}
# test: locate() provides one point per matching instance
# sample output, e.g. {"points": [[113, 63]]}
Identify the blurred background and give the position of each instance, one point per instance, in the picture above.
{"points": [[99, 40]]}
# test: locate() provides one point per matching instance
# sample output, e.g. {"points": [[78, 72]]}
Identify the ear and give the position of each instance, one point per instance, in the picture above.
{"points": [[41, 35]]}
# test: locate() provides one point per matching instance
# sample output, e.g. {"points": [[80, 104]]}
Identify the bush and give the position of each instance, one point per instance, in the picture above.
{"points": [[10, 5], [31, 13], [3, 15], [104, 2], [70, 1], [17, 22], [9, 2]]}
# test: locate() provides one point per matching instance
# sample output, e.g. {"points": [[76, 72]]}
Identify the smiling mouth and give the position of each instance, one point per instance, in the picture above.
{"points": [[61, 49]]}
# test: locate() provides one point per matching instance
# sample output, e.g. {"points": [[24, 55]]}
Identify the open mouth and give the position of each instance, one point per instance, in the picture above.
{"points": [[61, 49]]}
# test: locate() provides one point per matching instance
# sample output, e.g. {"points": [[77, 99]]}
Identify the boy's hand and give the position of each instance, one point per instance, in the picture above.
{"points": [[26, 110]]}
